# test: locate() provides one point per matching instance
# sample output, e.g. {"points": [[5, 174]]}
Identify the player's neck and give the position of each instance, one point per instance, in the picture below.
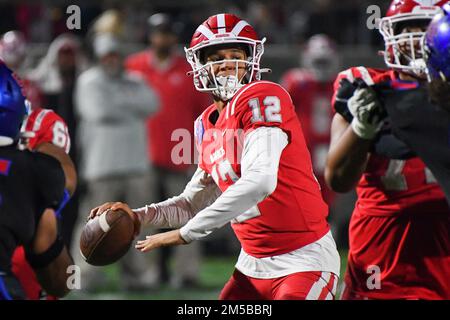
{"points": [[220, 105]]}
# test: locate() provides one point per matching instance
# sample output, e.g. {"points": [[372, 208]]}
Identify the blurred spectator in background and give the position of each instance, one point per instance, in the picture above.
{"points": [[13, 50], [267, 17], [55, 76], [311, 88], [112, 108], [110, 21], [165, 70]]}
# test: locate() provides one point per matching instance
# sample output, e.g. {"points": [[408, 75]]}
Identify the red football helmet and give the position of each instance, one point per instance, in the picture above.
{"points": [[321, 57], [402, 49], [221, 29]]}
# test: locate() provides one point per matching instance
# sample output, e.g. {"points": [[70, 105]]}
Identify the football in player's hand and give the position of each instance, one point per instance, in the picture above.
{"points": [[107, 237]]}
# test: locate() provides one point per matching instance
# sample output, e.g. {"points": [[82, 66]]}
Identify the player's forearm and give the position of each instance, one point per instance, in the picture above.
{"points": [[54, 276], [261, 156], [172, 213], [347, 160], [177, 211], [244, 194]]}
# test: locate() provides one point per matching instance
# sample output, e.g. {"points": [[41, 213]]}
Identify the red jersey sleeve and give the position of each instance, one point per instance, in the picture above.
{"points": [[369, 75], [262, 104], [48, 127]]}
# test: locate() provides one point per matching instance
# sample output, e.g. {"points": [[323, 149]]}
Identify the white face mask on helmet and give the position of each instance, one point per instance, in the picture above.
{"points": [[223, 87], [227, 87], [403, 50], [224, 29]]}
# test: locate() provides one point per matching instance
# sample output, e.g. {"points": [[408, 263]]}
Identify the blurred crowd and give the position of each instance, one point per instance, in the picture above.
{"points": [[284, 21], [122, 106]]}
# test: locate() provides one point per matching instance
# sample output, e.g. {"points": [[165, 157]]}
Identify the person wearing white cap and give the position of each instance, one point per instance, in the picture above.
{"points": [[112, 107], [164, 69]]}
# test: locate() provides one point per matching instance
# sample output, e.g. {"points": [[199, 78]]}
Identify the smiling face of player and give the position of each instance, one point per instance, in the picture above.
{"points": [[228, 66]]}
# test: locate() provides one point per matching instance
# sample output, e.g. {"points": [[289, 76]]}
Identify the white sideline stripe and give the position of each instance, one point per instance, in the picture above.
{"points": [[221, 23], [365, 75], [238, 28], [205, 31], [103, 223]]}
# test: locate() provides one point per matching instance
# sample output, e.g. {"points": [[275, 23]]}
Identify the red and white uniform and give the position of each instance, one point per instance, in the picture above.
{"points": [[264, 185], [400, 225], [311, 99], [51, 128], [47, 127], [261, 229]]}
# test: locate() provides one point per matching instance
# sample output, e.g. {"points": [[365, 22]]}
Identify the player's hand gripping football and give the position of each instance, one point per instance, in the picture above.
{"points": [[97, 211], [170, 238], [367, 113]]}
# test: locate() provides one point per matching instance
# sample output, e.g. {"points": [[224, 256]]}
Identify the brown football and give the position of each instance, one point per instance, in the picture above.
{"points": [[106, 238]]}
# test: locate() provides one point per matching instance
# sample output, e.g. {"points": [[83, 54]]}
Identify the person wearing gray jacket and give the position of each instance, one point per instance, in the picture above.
{"points": [[112, 107]]}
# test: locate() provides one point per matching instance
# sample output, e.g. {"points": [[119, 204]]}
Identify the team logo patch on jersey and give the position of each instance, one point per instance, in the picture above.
{"points": [[199, 130], [5, 165]]}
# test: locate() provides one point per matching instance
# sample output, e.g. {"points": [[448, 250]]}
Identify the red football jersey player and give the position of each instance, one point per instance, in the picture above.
{"points": [[48, 127], [399, 230], [254, 172], [46, 132], [311, 88]]}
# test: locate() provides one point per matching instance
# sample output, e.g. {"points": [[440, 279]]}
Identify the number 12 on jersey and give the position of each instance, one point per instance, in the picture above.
{"points": [[271, 111]]}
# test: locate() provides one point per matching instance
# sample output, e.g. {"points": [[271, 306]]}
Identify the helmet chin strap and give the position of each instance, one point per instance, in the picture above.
{"points": [[419, 71], [418, 64], [226, 87]]}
